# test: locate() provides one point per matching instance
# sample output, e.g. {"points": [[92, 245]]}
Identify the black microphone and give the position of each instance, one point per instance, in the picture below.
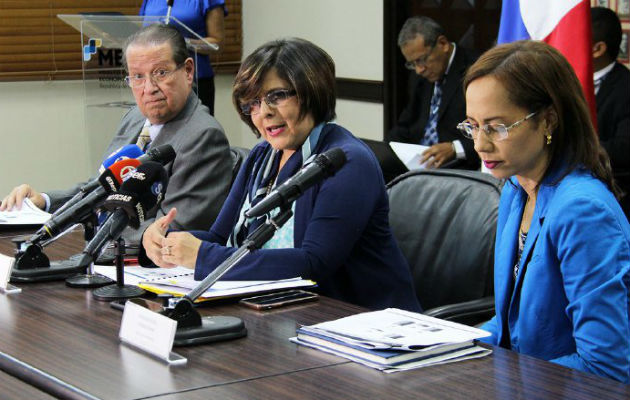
{"points": [[162, 154], [138, 196], [140, 193], [82, 209], [324, 165]]}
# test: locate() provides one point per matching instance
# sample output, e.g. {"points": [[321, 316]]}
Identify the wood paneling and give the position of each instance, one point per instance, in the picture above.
{"points": [[35, 44]]}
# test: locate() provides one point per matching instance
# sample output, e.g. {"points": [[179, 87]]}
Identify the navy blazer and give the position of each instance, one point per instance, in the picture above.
{"points": [[412, 121], [342, 238], [569, 304]]}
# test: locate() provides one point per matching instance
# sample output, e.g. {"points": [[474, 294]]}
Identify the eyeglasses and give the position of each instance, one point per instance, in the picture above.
{"points": [[274, 99], [156, 76], [420, 61], [494, 132]]}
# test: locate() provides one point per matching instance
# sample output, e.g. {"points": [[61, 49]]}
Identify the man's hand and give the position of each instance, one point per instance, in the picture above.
{"points": [[18, 194], [436, 155], [181, 248], [153, 236]]}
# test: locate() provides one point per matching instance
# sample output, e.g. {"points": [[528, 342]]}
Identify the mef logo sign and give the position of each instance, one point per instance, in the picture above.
{"points": [[90, 48]]}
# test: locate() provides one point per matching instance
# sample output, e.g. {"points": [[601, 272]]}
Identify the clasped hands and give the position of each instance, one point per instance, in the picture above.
{"points": [[172, 249]]}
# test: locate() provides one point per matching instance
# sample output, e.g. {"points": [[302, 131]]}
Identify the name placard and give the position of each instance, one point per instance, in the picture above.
{"points": [[6, 266], [150, 332]]}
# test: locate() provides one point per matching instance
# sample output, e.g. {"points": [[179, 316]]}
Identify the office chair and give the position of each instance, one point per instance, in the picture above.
{"points": [[239, 154], [445, 224]]}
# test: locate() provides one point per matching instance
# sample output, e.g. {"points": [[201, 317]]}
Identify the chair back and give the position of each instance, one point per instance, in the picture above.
{"points": [[239, 154], [445, 224]]}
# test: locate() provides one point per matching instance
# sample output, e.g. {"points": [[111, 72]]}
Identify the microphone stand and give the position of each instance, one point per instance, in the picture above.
{"points": [[32, 264], [192, 329], [118, 290]]}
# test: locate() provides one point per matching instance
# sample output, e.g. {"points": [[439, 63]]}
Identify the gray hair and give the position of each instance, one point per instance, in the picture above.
{"points": [[420, 26], [156, 35]]}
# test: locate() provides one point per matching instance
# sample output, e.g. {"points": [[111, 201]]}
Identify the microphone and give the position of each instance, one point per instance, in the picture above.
{"points": [[113, 176], [324, 165], [162, 154], [139, 195], [169, 4], [83, 208], [125, 152]]}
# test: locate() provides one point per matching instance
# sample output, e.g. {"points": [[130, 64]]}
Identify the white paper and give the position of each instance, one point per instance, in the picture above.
{"points": [[149, 331], [409, 154], [136, 274], [396, 329], [30, 214], [180, 281]]}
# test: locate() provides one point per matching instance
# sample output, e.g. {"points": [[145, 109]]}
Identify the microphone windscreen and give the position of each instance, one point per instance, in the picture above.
{"points": [[140, 193], [331, 160], [163, 154], [113, 176], [125, 152]]}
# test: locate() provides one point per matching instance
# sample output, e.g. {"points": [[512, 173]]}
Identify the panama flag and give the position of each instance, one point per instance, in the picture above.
{"points": [[563, 24]]}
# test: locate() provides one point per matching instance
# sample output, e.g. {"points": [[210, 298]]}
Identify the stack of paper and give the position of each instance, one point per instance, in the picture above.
{"points": [[394, 340], [30, 214], [179, 281]]}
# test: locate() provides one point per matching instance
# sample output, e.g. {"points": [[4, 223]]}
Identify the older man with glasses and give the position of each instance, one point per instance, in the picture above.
{"points": [[167, 111], [436, 97]]}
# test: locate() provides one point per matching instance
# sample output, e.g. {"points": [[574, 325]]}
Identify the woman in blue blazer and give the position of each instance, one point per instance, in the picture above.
{"points": [[562, 254], [339, 235]]}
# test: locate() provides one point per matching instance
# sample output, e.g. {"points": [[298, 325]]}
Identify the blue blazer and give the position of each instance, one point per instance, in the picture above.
{"points": [[342, 237], [570, 302]]}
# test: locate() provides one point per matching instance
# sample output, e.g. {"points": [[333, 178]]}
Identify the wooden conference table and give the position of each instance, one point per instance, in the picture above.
{"points": [[67, 343]]}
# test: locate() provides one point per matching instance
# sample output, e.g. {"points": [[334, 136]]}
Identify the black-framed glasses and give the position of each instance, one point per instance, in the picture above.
{"points": [[420, 61], [494, 132], [274, 99], [158, 75]]}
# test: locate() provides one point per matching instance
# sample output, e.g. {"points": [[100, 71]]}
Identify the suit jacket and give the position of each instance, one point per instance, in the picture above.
{"points": [[342, 238], [613, 124], [199, 177], [569, 303], [413, 119]]}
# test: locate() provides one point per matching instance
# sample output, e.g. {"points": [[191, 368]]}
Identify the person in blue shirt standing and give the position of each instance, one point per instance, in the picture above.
{"points": [[205, 17], [339, 234], [562, 252]]}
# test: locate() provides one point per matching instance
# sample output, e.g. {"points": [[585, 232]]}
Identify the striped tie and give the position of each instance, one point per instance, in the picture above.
{"points": [[430, 131], [144, 139]]}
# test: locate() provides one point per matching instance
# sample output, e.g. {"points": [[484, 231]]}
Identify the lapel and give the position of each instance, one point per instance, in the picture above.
{"points": [[136, 128], [506, 253], [608, 84], [543, 199], [452, 81]]}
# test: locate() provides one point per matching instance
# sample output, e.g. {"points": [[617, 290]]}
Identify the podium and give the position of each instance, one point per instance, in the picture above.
{"points": [[106, 96]]}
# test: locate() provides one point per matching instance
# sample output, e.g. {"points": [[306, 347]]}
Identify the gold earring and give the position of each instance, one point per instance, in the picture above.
{"points": [[549, 138]]}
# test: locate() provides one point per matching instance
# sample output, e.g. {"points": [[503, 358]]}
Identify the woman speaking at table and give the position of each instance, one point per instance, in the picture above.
{"points": [[562, 255], [339, 235]]}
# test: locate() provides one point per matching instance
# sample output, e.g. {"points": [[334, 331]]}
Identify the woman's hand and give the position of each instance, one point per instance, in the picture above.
{"points": [[180, 248], [153, 236]]}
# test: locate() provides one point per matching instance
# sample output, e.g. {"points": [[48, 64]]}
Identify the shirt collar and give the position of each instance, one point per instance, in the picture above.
{"points": [[154, 130], [450, 60], [602, 72]]}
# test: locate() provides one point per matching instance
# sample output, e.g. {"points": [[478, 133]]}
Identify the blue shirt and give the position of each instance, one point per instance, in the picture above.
{"points": [[191, 13]]}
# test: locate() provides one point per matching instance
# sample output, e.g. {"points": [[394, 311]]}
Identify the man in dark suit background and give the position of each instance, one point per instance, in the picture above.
{"points": [[436, 103], [612, 96]]}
